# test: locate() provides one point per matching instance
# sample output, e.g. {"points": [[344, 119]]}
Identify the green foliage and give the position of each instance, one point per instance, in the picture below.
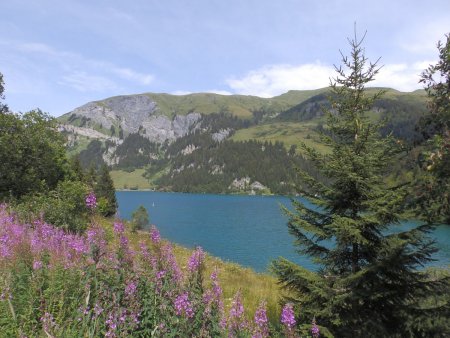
{"points": [[437, 79], [368, 283], [105, 192], [77, 168], [33, 154], [35, 173], [63, 207], [433, 185], [140, 219]]}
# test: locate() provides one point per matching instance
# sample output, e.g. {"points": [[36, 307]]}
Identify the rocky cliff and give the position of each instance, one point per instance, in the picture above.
{"points": [[123, 115]]}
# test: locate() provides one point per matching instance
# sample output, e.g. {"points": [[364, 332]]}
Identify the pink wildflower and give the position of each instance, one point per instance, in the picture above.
{"points": [[183, 306], [196, 260], [261, 329], [315, 331], [91, 201], [287, 316], [154, 235]]}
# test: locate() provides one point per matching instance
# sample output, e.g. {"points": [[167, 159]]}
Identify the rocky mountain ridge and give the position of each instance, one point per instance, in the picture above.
{"points": [[165, 117], [205, 142]]}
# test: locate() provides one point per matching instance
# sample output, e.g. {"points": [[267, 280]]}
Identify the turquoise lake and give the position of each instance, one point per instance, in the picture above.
{"points": [[249, 230]]}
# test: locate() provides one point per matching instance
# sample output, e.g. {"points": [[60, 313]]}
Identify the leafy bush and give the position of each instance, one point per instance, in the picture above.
{"points": [[33, 154], [63, 207]]}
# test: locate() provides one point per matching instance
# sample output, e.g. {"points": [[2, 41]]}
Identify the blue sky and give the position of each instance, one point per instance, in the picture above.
{"points": [[60, 54]]}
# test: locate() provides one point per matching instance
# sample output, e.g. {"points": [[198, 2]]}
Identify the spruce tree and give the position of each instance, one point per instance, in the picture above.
{"points": [[139, 219], [433, 186], [106, 194], [368, 283], [3, 107]]}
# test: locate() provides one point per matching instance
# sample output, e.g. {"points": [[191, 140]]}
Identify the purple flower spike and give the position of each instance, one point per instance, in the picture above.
{"points": [[315, 331], [183, 306], [261, 329], [154, 235], [236, 319], [91, 201], [196, 260], [130, 288], [118, 227], [287, 316]]}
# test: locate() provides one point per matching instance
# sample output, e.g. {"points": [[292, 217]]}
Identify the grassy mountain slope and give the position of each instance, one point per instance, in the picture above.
{"points": [[199, 161], [241, 106], [290, 133]]}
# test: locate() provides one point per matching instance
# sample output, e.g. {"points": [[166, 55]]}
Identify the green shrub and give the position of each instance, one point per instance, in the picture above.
{"points": [[63, 207]]}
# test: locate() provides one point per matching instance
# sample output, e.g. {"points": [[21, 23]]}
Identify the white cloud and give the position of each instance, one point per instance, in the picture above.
{"points": [[213, 91], [219, 91], [69, 64], [129, 74], [181, 92], [84, 82], [274, 80], [404, 77]]}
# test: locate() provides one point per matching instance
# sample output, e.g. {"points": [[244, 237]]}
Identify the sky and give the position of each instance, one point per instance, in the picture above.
{"points": [[57, 55]]}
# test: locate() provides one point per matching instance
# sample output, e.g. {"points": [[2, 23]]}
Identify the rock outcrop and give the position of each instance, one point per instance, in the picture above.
{"points": [[131, 114]]}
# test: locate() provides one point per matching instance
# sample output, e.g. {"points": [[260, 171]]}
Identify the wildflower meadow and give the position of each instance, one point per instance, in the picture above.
{"points": [[59, 284]]}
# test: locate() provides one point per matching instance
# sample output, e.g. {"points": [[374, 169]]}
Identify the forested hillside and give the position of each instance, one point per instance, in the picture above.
{"points": [[222, 144]]}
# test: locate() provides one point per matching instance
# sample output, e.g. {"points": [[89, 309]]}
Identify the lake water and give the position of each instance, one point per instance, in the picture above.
{"points": [[249, 230]]}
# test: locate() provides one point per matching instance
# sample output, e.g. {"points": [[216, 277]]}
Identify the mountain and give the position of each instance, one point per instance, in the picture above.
{"points": [[216, 143], [166, 117]]}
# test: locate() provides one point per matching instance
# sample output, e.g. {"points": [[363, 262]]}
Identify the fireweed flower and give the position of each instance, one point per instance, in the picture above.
{"points": [[97, 309], [144, 250], [261, 329], [183, 306], [96, 236], [217, 290], [196, 260], [47, 322], [118, 227], [160, 274], [130, 288], [91, 201], [37, 264], [168, 260], [212, 298], [236, 320], [154, 235], [111, 323], [315, 331], [287, 316]]}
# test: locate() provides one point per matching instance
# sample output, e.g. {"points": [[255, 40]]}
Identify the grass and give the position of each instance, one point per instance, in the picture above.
{"points": [[254, 287], [290, 133], [130, 180], [241, 106]]}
